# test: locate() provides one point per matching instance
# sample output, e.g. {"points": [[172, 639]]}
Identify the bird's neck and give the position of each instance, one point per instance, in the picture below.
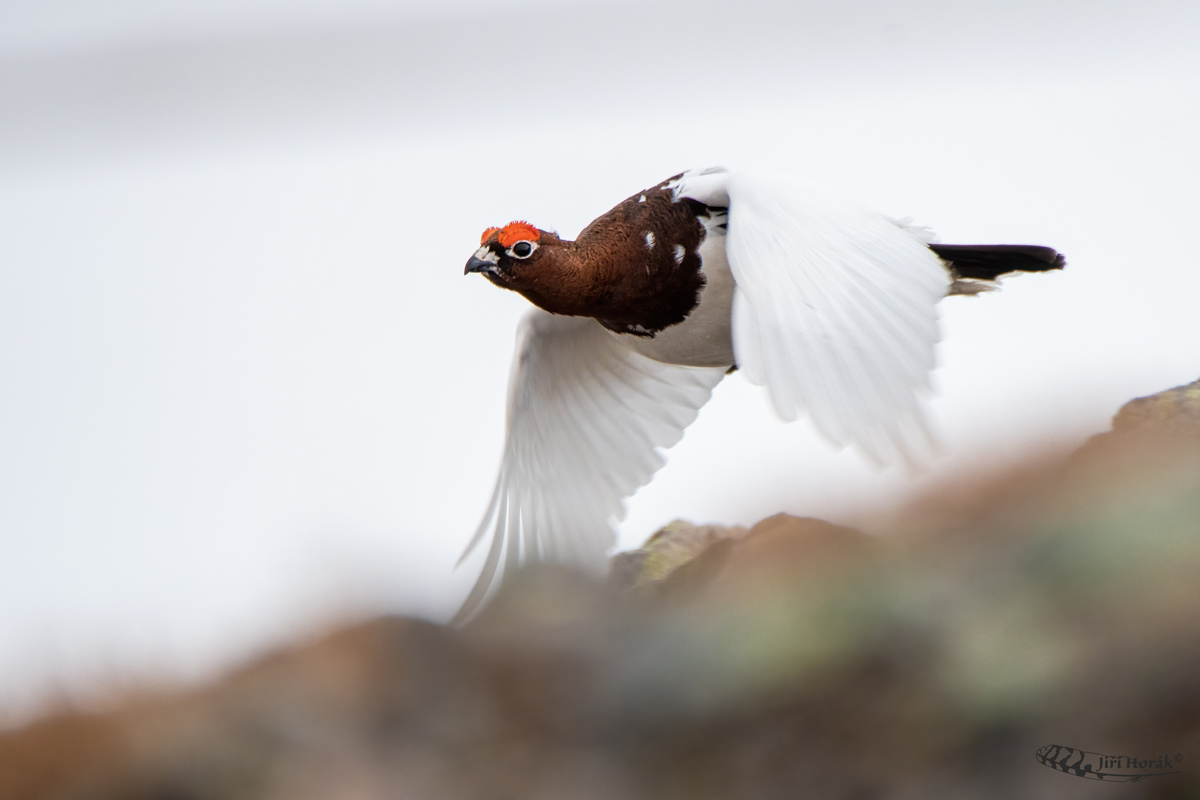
{"points": [[576, 284], [612, 275]]}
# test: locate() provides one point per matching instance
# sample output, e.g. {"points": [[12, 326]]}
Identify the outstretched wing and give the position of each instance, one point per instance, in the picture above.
{"points": [[586, 417], [835, 309]]}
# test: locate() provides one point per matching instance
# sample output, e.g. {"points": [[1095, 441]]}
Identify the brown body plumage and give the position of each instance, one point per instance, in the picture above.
{"points": [[636, 269]]}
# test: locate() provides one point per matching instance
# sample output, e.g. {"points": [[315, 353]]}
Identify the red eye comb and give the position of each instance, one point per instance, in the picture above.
{"points": [[486, 234], [514, 232]]}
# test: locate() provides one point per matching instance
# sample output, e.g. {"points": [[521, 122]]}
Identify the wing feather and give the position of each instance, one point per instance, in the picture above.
{"points": [[587, 418], [835, 309]]}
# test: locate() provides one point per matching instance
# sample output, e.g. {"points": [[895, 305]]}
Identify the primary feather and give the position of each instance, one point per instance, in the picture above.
{"points": [[834, 313], [586, 419]]}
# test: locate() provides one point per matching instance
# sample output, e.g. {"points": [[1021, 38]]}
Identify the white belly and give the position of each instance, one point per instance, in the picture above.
{"points": [[704, 338]]}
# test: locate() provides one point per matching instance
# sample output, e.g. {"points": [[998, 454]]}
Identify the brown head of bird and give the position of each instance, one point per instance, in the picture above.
{"points": [[534, 263]]}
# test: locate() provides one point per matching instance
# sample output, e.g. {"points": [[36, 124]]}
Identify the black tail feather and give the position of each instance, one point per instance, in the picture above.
{"points": [[986, 262]]}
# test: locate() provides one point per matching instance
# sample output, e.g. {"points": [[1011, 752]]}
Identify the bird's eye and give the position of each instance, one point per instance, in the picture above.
{"points": [[522, 249]]}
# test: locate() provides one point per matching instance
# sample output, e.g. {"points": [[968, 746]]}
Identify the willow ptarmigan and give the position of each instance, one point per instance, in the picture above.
{"points": [[828, 305]]}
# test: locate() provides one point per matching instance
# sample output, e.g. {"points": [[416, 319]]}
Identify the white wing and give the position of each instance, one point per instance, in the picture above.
{"points": [[835, 309], [586, 417]]}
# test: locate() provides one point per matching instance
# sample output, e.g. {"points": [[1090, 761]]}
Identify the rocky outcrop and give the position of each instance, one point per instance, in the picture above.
{"points": [[1006, 633], [1176, 409]]}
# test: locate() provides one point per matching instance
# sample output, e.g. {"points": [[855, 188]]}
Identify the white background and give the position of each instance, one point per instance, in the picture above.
{"points": [[245, 389]]}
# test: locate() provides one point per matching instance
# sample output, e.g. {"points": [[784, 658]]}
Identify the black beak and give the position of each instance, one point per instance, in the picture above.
{"points": [[479, 265]]}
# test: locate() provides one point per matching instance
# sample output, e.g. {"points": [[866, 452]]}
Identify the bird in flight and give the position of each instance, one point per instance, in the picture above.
{"points": [[828, 305]]}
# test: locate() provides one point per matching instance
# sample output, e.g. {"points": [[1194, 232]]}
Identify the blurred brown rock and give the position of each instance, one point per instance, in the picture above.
{"points": [[1055, 603], [671, 547]]}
